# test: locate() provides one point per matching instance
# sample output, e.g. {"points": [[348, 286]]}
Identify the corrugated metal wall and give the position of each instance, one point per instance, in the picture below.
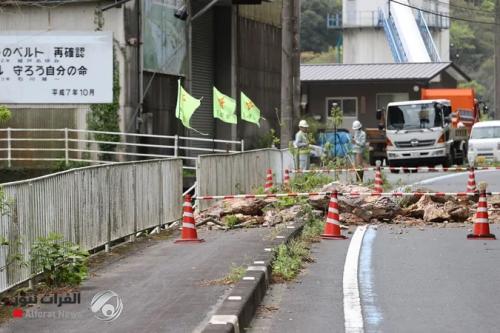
{"points": [[259, 74], [203, 74], [89, 206]]}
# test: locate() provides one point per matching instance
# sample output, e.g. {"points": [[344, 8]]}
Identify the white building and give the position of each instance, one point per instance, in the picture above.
{"points": [[373, 30]]}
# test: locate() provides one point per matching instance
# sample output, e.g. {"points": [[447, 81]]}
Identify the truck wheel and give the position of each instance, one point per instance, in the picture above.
{"points": [[393, 166], [448, 160]]}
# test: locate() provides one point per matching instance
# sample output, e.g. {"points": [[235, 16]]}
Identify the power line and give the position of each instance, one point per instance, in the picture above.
{"points": [[442, 15]]}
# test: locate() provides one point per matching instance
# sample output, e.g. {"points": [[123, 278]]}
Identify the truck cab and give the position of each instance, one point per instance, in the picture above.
{"points": [[419, 133]]}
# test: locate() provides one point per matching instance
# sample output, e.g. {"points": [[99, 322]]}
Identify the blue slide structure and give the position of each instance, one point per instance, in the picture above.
{"points": [[408, 35]]}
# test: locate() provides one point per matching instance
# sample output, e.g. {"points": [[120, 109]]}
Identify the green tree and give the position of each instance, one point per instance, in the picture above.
{"points": [[314, 34], [104, 117]]}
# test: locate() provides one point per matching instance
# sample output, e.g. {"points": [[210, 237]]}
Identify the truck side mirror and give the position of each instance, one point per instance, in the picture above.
{"points": [[378, 114], [447, 111]]}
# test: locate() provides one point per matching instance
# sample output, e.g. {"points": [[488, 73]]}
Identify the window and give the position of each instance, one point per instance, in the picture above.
{"points": [[348, 107]]}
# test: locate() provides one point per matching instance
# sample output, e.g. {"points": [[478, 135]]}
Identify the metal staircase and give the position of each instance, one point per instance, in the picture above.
{"points": [[427, 37], [397, 49]]}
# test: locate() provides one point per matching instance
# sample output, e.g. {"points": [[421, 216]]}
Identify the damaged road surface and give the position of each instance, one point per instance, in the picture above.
{"points": [[414, 270], [409, 280]]}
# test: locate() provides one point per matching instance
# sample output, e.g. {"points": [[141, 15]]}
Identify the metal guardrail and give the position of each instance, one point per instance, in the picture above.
{"points": [[91, 206], [427, 37], [74, 148], [393, 38]]}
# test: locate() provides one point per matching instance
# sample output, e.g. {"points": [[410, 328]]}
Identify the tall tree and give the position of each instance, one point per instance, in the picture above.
{"points": [[314, 34]]}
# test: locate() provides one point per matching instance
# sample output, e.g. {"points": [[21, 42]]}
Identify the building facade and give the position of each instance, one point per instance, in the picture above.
{"points": [[365, 39]]}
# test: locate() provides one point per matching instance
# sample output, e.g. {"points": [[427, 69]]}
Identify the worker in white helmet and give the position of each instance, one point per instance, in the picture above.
{"points": [[358, 146], [302, 144]]}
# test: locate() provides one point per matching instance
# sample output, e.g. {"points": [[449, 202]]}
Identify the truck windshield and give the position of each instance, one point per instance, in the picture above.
{"points": [[413, 116], [485, 133]]}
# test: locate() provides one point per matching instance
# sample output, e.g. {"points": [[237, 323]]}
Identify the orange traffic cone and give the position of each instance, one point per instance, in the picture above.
{"points": [[286, 180], [269, 181], [188, 233], [481, 229], [378, 181], [471, 183], [332, 225]]}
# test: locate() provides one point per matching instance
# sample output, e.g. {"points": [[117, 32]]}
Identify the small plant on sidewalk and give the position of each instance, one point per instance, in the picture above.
{"points": [[61, 262]]}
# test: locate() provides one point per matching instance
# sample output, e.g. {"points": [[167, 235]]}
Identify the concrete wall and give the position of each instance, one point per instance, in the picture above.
{"points": [[79, 16], [364, 43], [365, 46]]}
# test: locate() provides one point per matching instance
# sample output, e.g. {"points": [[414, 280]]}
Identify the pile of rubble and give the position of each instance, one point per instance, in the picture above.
{"points": [[354, 210]]}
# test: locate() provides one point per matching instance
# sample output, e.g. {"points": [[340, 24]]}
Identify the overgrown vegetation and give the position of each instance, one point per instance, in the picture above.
{"points": [[62, 166], [105, 118], [5, 114], [61, 262], [290, 257], [472, 45], [308, 182], [231, 221], [268, 140], [12, 245]]}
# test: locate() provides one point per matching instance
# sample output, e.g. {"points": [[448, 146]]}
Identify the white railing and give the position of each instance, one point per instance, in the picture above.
{"points": [[92, 206], [73, 145]]}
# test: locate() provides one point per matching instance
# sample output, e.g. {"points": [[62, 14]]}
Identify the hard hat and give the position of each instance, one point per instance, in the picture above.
{"points": [[356, 125], [303, 123]]}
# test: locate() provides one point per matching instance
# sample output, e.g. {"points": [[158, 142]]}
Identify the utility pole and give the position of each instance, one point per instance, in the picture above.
{"points": [[497, 59], [296, 60], [287, 83]]}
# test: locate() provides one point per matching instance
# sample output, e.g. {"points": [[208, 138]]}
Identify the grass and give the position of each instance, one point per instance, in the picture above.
{"points": [[231, 221], [290, 258], [309, 181], [235, 274]]}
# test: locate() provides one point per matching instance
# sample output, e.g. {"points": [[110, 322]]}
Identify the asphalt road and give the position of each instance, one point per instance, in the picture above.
{"points": [[162, 287], [409, 279], [431, 280], [311, 302]]}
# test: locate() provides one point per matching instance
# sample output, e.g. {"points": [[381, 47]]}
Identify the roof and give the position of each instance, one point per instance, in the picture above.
{"points": [[379, 72], [421, 101], [489, 123]]}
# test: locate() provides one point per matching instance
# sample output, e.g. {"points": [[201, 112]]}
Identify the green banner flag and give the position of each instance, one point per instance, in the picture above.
{"points": [[186, 105], [224, 107], [249, 111]]}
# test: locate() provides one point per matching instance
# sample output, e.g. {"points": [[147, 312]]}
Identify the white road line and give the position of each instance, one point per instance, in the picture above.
{"points": [[353, 315], [451, 175]]}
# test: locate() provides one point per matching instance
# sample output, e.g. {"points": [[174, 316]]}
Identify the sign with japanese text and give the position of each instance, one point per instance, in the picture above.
{"points": [[56, 67]]}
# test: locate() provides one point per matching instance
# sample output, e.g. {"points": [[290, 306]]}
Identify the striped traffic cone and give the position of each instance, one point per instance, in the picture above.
{"points": [[188, 233], [378, 181], [286, 180], [269, 181], [481, 229], [332, 225], [471, 183]]}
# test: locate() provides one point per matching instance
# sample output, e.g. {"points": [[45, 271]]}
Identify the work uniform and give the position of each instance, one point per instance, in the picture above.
{"points": [[302, 144], [358, 148]]}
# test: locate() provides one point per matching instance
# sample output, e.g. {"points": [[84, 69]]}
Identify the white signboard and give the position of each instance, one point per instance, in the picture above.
{"points": [[56, 67]]}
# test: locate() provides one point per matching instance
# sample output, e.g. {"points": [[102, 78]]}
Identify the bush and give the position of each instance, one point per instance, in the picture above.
{"points": [[61, 262], [309, 181]]}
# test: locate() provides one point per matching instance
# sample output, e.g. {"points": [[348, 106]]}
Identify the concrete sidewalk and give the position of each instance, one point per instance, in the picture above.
{"points": [[161, 287]]}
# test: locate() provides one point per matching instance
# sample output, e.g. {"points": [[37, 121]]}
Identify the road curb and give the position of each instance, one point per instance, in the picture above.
{"points": [[237, 310]]}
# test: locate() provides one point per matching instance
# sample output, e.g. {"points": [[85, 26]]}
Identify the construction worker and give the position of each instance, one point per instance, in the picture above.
{"points": [[358, 147], [302, 144]]}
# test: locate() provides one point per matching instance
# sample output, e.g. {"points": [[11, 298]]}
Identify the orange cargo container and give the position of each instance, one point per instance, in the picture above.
{"points": [[463, 104]]}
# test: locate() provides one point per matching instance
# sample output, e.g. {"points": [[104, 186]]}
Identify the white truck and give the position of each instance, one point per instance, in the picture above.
{"points": [[419, 133]]}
